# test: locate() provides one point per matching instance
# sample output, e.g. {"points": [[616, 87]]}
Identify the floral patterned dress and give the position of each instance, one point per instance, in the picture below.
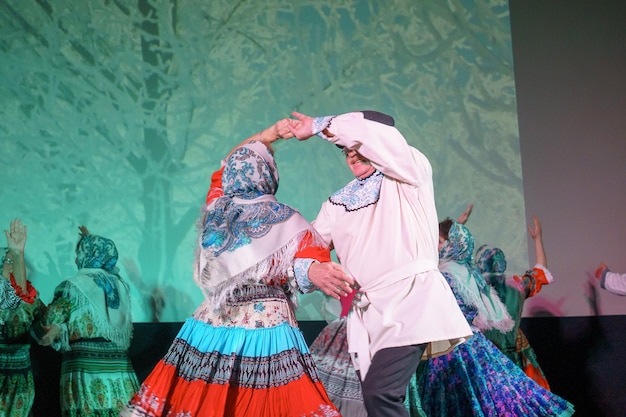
{"points": [[335, 367], [249, 358], [92, 310], [242, 353], [97, 377], [514, 291], [18, 310], [476, 378]]}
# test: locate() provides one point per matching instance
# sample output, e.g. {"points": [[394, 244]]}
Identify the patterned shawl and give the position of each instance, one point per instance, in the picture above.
{"points": [[9, 299], [246, 236], [456, 263], [491, 263], [101, 289]]}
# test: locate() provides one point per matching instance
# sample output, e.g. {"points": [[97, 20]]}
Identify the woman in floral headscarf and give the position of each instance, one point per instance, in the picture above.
{"points": [[513, 291], [241, 353], [20, 306], [89, 320], [476, 378]]}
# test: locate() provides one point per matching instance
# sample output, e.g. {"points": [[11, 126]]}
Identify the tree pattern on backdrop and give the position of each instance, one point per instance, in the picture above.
{"points": [[114, 114]]}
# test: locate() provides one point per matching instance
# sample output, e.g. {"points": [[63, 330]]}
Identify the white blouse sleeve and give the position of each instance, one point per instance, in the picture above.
{"points": [[614, 282]]}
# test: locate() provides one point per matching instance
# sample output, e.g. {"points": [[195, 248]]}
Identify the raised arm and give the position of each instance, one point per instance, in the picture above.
{"points": [[279, 130], [464, 217], [536, 234], [372, 135], [16, 241]]}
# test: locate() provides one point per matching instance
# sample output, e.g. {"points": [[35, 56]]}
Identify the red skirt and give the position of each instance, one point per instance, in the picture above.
{"points": [[215, 371]]}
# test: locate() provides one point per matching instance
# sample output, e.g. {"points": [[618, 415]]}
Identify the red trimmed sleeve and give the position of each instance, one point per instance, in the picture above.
{"points": [[308, 249], [216, 190], [27, 296], [532, 281]]}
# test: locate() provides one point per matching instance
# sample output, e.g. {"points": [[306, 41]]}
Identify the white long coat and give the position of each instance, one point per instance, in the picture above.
{"points": [[390, 247]]}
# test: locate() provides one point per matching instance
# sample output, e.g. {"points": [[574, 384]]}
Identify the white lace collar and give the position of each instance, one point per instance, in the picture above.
{"points": [[358, 193]]}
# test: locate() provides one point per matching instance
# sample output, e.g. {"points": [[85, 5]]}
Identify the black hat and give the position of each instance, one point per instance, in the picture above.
{"points": [[376, 116]]}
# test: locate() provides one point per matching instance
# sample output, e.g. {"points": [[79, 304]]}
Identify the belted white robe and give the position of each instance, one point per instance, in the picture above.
{"points": [[391, 249]]}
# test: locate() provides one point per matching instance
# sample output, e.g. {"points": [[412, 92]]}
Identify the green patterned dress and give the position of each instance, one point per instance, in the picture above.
{"points": [[17, 313], [92, 310], [97, 377]]}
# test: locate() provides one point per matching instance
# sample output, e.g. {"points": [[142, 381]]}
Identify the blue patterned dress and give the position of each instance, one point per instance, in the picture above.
{"points": [[476, 378]]}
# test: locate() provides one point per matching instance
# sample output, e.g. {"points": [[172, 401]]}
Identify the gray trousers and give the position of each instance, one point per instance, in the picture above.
{"points": [[387, 379]]}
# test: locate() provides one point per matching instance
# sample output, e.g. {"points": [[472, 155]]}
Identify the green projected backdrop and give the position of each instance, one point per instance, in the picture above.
{"points": [[115, 113]]}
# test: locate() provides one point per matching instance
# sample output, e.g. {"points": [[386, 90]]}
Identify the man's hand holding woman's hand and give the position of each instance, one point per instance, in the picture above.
{"points": [[302, 126], [282, 128]]}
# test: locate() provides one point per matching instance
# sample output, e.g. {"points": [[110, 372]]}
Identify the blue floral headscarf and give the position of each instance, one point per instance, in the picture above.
{"points": [[97, 252], [250, 174], [246, 234], [94, 251], [456, 264], [459, 248], [491, 263], [102, 290]]}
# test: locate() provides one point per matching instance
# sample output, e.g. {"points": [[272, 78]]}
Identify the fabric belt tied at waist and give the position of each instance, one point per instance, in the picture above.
{"points": [[358, 337]]}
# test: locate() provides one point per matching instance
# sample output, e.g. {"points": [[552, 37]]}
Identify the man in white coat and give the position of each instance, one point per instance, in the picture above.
{"points": [[383, 226]]}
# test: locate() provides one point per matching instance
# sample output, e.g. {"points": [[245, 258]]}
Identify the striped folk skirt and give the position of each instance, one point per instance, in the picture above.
{"points": [[97, 379], [17, 387], [247, 359], [335, 368]]}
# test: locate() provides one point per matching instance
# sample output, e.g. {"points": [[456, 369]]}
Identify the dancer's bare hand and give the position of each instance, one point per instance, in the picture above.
{"points": [[464, 217], [16, 236], [83, 231], [282, 128], [302, 128], [52, 333], [535, 229], [330, 279]]}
